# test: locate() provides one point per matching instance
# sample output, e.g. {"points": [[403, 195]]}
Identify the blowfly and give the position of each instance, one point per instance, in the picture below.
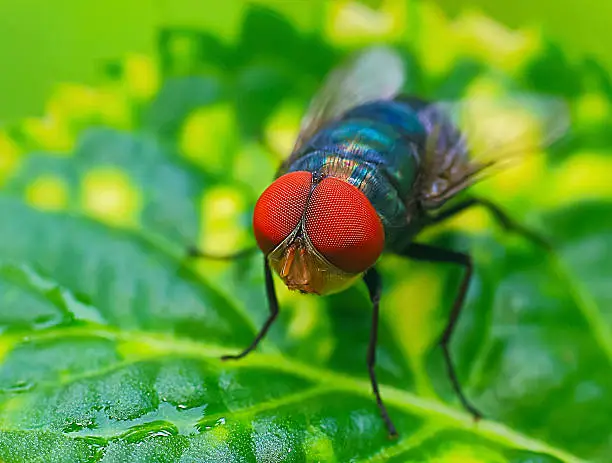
{"points": [[371, 169]]}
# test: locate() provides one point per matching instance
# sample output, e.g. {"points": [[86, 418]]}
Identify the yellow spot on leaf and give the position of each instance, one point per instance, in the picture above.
{"points": [[500, 133], [286, 297], [474, 220], [223, 230], [592, 108], [351, 22], [9, 157], [435, 42], [219, 434], [11, 408], [484, 39], [283, 128], [255, 166], [7, 343], [50, 133], [109, 195], [182, 45], [584, 176], [48, 193], [412, 305], [206, 138], [440, 41], [78, 106], [520, 180], [319, 446], [71, 102], [114, 108], [417, 325], [484, 86], [141, 77], [305, 314]]}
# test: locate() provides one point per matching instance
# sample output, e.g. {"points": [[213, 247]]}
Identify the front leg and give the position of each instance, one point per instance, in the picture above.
{"points": [[273, 306], [427, 253], [374, 283]]}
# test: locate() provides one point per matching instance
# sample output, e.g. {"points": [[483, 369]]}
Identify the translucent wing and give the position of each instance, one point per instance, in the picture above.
{"points": [[472, 138], [375, 73]]}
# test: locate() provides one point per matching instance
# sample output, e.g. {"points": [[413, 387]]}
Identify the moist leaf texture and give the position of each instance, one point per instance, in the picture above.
{"points": [[111, 337]]}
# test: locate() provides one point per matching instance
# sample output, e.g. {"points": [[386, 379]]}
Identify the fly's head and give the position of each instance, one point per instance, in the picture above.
{"points": [[320, 234]]}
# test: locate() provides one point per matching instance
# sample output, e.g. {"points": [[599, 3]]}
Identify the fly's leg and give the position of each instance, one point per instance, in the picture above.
{"points": [[502, 217], [427, 253], [374, 283], [194, 252], [273, 306]]}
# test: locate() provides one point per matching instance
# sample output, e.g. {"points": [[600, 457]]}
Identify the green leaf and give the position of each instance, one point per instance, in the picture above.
{"points": [[115, 356], [111, 338]]}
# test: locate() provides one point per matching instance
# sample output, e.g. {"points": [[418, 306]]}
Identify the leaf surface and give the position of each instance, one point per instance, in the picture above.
{"points": [[111, 337]]}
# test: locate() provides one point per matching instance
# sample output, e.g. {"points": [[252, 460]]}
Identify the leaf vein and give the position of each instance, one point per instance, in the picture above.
{"points": [[405, 400]]}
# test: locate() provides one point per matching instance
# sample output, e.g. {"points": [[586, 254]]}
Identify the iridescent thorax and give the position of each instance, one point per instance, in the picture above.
{"points": [[375, 147]]}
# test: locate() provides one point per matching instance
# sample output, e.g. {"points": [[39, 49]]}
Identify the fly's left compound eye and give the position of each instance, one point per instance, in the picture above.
{"points": [[343, 226], [279, 209]]}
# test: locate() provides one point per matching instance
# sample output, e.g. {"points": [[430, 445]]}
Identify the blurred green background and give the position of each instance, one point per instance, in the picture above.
{"points": [[130, 131], [46, 43]]}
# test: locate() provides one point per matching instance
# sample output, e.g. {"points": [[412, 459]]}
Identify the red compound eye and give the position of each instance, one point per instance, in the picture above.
{"points": [[279, 209], [344, 226]]}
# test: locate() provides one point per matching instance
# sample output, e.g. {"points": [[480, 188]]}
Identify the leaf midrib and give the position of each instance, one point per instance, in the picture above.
{"points": [[327, 379]]}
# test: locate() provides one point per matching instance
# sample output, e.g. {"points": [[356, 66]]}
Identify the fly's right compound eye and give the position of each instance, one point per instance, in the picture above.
{"points": [[343, 226], [279, 209]]}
